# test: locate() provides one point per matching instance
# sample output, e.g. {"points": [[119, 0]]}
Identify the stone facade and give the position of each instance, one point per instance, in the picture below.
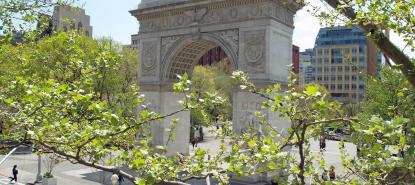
{"points": [[71, 18], [256, 35]]}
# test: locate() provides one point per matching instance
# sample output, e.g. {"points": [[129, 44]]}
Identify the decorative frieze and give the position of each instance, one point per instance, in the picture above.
{"points": [[221, 12]]}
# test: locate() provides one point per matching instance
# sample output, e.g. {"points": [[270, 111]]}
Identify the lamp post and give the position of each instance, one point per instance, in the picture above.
{"points": [[39, 169]]}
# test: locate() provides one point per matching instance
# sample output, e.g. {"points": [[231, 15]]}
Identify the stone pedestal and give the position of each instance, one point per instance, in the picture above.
{"points": [[165, 103], [244, 108]]}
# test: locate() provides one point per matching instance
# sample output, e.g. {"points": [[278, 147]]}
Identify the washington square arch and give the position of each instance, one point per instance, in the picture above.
{"points": [[255, 34]]}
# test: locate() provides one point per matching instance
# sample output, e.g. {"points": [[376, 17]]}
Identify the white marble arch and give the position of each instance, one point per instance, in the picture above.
{"points": [[255, 34]]}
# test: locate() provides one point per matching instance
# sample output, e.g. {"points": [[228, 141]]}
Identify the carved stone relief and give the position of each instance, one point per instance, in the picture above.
{"points": [[196, 15], [149, 58], [254, 50], [167, 42], [218, 14], [247, 116], [231, 37]]}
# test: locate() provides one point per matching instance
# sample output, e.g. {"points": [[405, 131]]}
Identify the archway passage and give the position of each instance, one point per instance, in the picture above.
{"points": [[192, 51], [211, 76], [185, 60]]}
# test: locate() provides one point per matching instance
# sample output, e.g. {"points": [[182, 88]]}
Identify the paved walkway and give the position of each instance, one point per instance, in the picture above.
{"points": [[71, 174], [6, 181]]}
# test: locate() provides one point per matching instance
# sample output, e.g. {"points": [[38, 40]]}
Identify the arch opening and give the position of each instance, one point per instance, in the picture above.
{"points": [[203, 50]]}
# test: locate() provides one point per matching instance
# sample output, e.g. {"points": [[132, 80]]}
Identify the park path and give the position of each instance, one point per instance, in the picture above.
{"points": [[331, 154]]}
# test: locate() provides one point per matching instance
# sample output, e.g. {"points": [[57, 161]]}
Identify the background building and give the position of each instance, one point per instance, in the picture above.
{"points": [[342, 59], [306, 70], [70, 18], [213, 56], [135, 41]]}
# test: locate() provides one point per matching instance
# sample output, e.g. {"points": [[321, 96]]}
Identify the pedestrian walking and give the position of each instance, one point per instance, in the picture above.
{"points": [[324, 176], [332, 173], [196, 136], [120, 179], [193, 140], [114, 179], [322, 141], [14, 172]]}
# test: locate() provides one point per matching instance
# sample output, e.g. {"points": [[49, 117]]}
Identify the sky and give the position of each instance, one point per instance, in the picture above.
{"points": [[110, 18]]}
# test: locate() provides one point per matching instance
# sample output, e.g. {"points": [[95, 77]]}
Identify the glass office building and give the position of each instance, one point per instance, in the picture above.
{"points": [[342, 60]]}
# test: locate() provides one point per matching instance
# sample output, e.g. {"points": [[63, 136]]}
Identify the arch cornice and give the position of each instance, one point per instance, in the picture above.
{"points": [[207, 41]]}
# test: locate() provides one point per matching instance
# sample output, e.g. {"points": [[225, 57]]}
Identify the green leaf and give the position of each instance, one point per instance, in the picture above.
{"points": [[251, 143], [140, 181], [311, 90]]}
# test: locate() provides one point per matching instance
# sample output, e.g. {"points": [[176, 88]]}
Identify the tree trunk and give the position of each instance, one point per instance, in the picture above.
{"points": [[301, 153]]}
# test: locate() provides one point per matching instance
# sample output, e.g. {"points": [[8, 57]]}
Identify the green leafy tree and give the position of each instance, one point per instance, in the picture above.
{"points": [[22, 16], [58, 93], [208, 81]]}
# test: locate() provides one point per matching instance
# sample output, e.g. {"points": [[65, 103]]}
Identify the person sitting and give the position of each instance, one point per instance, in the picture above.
{"points": [[332, 173]]}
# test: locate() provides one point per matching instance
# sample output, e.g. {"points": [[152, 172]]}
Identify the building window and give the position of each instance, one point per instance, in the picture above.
{"points": [[326, 69], [361, 87], [354, 60], [361, 49], [326, 60], [332, 87], [354, 68], [319, 78], [354, 50], [320, 61], [353, 95], [333, 78], [340, 78], [346, 86], [333, 69], [353, 86], [354, 78], [339, 86], [339, 68], [326, 78], [319, 69], [346, 78], [346, 68], [346, 51]]}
